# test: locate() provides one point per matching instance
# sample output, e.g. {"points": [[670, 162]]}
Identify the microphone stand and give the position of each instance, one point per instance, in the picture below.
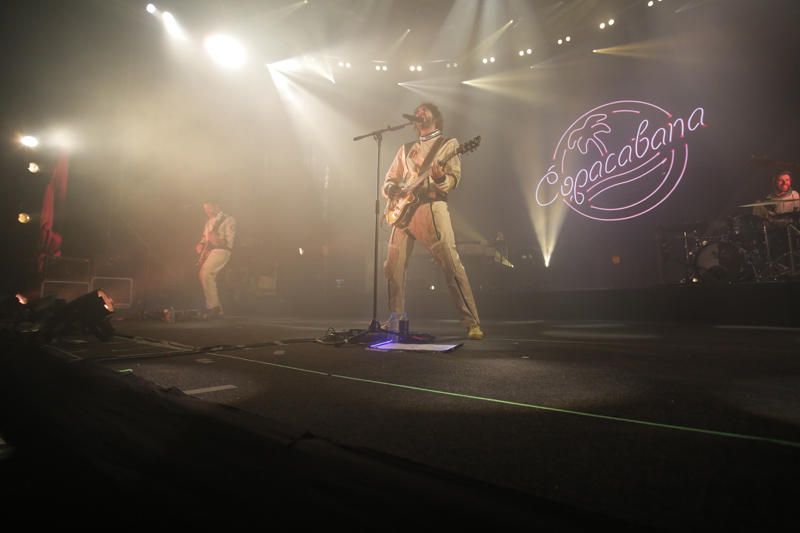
{"points": [[374, 331]]}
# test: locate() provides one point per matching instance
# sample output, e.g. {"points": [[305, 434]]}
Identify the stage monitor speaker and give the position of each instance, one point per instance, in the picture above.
{"points": [[120, 290]]}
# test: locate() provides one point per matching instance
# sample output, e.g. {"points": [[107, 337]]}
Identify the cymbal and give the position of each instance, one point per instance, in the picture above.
{"points": [[761, 204], [770, 202]]}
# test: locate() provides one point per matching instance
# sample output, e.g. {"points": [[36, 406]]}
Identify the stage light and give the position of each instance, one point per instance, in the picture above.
{"points": [[33, 168], [384, 68], [172, 26], [485, 60], [491, 59], [347, 65], [23, 218], [341, 64], [433, 287], [419, 68], [610, 22], [151, 9], [29, 141], [300, 251], [602, 25], [377, 67], [521, 53], [529, 51], [568, 38], [412, 68], [14, 307], [650, 3], [561, 41], [226, 51]]}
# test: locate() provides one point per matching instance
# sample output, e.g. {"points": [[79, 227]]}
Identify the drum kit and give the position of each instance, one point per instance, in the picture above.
{"points": [[745, 248]]}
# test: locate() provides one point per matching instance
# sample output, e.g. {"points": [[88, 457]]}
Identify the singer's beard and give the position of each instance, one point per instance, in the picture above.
{"points": [[428, 124]]}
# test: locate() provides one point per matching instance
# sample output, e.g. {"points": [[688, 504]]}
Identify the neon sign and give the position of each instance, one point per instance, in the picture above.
{"points": [[619, 160]]}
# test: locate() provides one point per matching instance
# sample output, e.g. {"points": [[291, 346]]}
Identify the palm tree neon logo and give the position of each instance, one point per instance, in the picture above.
{"points": [[619, 160]]}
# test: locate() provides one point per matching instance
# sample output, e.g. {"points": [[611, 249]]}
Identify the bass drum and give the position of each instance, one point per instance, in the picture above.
{"points": [[720, 262], [747, 231]]}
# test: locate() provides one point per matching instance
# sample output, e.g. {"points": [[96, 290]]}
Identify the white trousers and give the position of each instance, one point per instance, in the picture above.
{"points": [[431, 226], [216, 261]]}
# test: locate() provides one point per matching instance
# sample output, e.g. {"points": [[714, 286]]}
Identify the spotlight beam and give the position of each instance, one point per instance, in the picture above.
{"points": [[398, 43], [486, 44]]}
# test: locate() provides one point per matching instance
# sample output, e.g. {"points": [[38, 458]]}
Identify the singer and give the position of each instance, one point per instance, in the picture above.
{"points": [[430, 222]]}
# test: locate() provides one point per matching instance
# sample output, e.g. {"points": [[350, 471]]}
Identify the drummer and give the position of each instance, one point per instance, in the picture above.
{"points": [[787, 199]]}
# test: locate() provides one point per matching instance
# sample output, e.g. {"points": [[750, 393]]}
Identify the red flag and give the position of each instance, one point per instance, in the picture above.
{"points": [[53, 202]]}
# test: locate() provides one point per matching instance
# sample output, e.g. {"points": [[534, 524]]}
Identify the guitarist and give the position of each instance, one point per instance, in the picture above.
{"points": [[214, 248], [430, 221]]}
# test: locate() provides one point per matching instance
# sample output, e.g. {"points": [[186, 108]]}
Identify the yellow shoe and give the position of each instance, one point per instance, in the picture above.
{"points": [[474, 333]]}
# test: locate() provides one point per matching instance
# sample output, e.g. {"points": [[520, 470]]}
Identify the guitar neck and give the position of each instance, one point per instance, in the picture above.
{"points": [[462, 148], [441, 162], [444, 161]]}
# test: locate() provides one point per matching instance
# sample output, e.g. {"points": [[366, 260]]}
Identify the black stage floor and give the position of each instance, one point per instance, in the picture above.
{"points": [[667, 425]]}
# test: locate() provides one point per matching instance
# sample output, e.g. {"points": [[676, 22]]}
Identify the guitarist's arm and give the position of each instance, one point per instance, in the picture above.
{"points": [[446, 177]]}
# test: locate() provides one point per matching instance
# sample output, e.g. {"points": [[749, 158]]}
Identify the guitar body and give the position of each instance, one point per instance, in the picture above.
{"points": [[400, 209]]}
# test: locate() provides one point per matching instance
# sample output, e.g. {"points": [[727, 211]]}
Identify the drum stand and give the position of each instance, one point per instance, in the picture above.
{"points": [[792, 231], [691, 270], [769, 265], [776, 268]]}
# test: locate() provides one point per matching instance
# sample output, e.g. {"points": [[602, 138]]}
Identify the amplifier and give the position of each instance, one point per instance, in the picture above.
{"points": [[64, 290], [66, 268]]}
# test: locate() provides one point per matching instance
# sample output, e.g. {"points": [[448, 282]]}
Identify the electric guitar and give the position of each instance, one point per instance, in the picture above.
{"points": [[401, 206]]}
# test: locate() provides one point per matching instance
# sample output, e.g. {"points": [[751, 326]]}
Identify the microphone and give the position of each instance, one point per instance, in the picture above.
{"points": [[413, 118]]}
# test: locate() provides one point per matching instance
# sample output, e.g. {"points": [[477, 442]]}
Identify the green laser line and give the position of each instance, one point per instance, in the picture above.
{"points": [[578, 413], [287, 367], [660, 425]]}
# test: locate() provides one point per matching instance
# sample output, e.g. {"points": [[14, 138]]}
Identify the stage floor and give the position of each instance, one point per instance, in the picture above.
{"points": [[665, 425]]}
